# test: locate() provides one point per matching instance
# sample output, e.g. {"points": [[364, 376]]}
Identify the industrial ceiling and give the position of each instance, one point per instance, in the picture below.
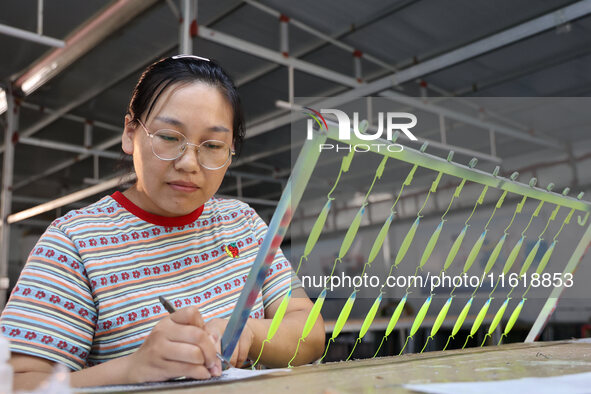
{"points": [[68, 127]]}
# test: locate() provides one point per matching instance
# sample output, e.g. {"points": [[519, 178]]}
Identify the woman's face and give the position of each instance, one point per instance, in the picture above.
{"points": [[178, 187]]}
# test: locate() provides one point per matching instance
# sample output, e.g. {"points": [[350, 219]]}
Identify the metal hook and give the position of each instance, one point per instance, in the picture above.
{"points": [[363, 125], [450, 156], [533, 182], [566, 191], [395, 136], [424, 146], [514, 176], [473, 162], [550, 187], [496, 171]]}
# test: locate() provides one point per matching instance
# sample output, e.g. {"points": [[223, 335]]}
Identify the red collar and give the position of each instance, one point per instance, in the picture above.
{"points": [[158, 220]]}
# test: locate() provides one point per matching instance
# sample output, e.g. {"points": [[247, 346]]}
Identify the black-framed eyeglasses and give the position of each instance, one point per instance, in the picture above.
{"points": [[170, 145]]}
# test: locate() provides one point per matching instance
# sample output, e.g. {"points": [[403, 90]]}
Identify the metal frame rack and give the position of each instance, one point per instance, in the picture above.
{"points": [[298, 181]]}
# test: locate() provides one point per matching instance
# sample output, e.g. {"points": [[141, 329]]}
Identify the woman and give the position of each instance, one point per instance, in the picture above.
{"points": [[88, 296]]}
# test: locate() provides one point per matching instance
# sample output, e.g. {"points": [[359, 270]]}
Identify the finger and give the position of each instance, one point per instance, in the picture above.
{"points": [[215, 336], [175, 369], [243, 348], [185, 353], [234, 358], [198, 337], [188, 316]]}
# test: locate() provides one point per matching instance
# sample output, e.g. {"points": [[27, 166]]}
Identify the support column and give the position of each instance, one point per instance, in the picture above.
{"points": [[188, 28], [290, 85], [10, 139], [284, 35], [239, 186], [357, 54], [442, 129], [40, 17], [493, 142], [88, 130]]}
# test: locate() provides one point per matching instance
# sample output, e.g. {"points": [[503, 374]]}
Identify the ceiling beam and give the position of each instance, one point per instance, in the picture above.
{"points": [[69, 147], [87, 36], [334, 39], [70, 198], [30, 36], [518, 73], [274, 56], [72, 117], [66, 163]]}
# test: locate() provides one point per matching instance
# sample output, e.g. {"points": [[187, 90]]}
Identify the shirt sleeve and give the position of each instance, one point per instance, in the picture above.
{"points": [[51, 312], [280, 275]]}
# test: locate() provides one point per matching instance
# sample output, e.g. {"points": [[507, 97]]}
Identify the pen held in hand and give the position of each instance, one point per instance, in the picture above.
{"points": [[171, 309]]}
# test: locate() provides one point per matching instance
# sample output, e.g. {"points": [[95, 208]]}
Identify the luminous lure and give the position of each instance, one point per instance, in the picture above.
{"points": [[418, 320], [310, 321], [438, 321], [341, 320], [512, 319], [499, 246], [478, 320], [474, 252], [367, 323], [277, 319], [478, 245], [458, 242], [392, 322], [460, 321], [321, 220], [496, 320]]}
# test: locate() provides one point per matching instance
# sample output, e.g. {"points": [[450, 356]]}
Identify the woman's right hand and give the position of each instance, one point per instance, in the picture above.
{"points": [[177, 346]]}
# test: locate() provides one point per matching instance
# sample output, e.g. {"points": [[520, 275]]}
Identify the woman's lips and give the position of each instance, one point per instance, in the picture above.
{"points": [[183, 187]]}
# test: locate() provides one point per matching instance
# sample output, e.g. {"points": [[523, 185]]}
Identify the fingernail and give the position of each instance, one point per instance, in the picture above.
{"points": [[216, 371]]}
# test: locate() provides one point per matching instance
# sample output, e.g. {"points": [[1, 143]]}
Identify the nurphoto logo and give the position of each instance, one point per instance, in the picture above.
{"points": [[392, 124]]}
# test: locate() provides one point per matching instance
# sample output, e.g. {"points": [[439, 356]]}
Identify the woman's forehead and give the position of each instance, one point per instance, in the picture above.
{"points": [[185, 100]]}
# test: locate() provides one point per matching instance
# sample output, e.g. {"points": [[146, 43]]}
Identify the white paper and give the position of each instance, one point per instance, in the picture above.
{"points": [[572, 384], [228, 375]]}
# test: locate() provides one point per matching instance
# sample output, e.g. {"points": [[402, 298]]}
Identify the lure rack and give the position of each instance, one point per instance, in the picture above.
{"points": [[300, 177]]}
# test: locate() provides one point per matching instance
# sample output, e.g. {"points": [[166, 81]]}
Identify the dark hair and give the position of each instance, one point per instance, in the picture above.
{"points": [[182, 69]]}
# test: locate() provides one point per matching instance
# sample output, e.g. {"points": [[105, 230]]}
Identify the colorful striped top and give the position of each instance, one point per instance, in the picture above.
{"points": [[89, 291]]}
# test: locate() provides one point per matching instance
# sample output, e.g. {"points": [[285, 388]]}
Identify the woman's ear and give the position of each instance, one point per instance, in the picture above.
{"points": [[128, 134]]}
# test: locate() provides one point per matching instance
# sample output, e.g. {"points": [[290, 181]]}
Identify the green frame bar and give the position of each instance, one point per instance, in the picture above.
{"points": [[550, 305], [438, 164]]}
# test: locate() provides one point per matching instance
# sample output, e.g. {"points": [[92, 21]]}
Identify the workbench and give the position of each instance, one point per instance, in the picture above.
{"points": [[388, 374]]}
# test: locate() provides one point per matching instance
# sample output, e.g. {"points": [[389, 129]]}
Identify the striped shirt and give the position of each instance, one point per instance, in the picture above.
{"points": [[89, 291]]}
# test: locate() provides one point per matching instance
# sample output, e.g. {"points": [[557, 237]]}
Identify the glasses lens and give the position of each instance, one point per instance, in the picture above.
{"points": [[168, 144], [214, 154]]}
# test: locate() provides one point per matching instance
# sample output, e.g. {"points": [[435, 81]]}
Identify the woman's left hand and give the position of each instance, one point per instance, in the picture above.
{"points": [[216, 328]]}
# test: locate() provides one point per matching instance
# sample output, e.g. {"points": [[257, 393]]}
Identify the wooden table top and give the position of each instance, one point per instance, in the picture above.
{"points": [[387, 374]]}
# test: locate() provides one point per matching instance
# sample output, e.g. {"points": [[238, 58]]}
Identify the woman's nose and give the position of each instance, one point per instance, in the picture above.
{"points": [[189, 160]]}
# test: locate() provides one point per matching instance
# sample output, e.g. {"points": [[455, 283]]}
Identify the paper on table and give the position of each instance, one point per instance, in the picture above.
{"points": [[228, 375], [573, 384]]}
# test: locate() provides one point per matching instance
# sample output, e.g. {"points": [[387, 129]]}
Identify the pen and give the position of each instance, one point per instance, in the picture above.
{"points": [[171, 309]]}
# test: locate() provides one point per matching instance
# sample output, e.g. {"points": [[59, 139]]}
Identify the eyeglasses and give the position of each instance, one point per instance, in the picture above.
{"points": [[170, 145]]}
